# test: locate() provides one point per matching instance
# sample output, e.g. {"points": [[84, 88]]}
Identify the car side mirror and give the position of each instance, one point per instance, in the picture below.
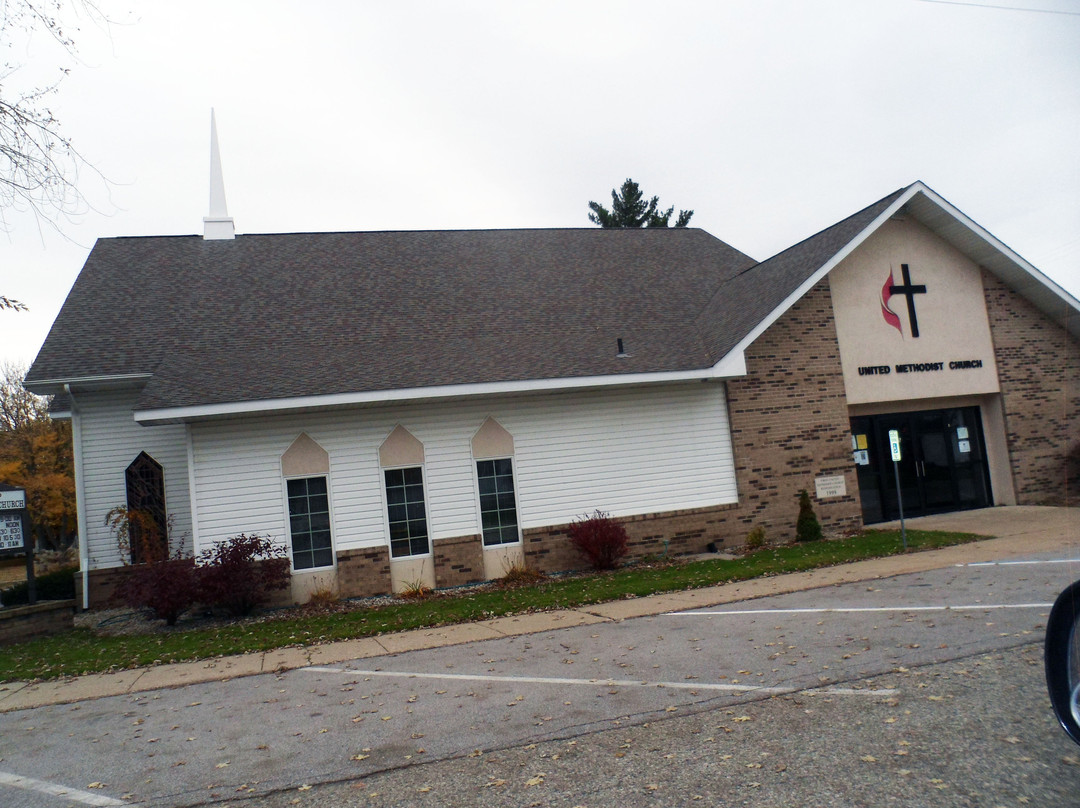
{"points": [[1062, 657]]}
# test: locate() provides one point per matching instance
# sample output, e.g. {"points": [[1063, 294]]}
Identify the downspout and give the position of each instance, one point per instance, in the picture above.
{"points": [[192, 499], [80, 507]]}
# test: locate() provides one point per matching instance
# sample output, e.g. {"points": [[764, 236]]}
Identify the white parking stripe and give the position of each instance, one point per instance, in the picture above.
{"points": [[1019, 563], [558, 680], [73, 794], [821, 610]]}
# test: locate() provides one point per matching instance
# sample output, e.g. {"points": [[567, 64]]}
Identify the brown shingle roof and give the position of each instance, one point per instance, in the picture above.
{"points": [[748, 297], [266, 317], [276, 316]]}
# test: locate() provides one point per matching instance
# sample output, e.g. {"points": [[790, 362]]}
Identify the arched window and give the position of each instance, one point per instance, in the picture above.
{"points": [[306, 469], [148, 524], [402, 459], [493, 451]]}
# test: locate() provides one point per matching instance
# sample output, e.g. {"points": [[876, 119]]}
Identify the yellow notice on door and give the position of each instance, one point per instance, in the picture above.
{"points": [[860, 441]]}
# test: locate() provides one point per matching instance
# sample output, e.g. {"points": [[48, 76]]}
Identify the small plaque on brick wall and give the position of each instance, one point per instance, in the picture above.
{"points": [[830, 486]]}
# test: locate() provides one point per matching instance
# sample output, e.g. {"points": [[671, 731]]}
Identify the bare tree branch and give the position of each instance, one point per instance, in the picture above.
{"points": [[39, 165]]}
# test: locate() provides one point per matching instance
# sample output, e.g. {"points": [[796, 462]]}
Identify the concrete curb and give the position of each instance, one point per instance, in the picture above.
{"points": [[1022, 531]]}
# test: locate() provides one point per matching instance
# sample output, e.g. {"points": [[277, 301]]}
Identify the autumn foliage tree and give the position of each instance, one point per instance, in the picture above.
{"points": [[36, 455]]}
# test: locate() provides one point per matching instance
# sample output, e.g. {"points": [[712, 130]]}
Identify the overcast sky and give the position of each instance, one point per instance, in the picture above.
{"points": [[771, 119]]}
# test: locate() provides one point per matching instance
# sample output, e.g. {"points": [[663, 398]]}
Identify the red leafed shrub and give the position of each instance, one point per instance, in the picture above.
{"points": [[168, 587], [600, 539], [239, 573], [165, 581]]}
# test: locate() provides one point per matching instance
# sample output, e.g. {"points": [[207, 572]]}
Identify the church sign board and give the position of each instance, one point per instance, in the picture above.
{"points": [[15, 538], [12, 522]]}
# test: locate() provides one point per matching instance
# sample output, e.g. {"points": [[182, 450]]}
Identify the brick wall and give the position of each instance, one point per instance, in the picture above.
{"points": [[103, 585], [363, 573], [20, 623], [789, 424], [1039, 370], [675, 533], [458, 561]]}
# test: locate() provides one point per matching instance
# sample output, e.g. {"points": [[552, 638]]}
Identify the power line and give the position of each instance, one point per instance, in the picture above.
{"points": [[1003, 8]]}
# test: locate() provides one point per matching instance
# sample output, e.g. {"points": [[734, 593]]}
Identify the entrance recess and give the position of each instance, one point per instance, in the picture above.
{"points": [[943, 466]]}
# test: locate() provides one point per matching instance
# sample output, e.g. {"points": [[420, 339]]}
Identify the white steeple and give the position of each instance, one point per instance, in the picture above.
{"points": [[218, 225]]}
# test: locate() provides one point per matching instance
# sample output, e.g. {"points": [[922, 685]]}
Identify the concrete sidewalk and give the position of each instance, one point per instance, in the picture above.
{"points": [[1019, 531]]}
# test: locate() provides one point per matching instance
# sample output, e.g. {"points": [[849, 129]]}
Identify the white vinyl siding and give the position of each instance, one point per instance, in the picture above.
{"points": [[111, 440], [625, 451]]}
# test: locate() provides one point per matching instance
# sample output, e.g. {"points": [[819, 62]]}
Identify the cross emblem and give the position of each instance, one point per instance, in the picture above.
{"points": [[909, 290]]}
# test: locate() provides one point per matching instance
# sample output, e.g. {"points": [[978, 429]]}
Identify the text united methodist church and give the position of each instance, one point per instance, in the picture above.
{"points": [[436, 406]]}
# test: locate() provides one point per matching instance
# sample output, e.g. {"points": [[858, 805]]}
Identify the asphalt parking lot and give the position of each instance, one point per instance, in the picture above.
{"points": [[935, 676]]}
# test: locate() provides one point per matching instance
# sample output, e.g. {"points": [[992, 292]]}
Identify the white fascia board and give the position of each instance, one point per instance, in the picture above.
{"points": [[820, 273], [999, 246], [181, 414], [731, 365]]}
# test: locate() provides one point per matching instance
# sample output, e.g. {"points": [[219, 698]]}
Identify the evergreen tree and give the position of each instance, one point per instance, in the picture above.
{"points": [[807, 527], [630, 209]]}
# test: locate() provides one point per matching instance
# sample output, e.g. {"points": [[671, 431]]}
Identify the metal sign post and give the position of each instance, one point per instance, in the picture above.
{"points": [[894, 447], [15, 536]]}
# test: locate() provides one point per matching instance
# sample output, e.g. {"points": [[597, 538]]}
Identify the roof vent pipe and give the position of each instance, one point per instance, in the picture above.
{"points": [[621, 354], [218, 225]]}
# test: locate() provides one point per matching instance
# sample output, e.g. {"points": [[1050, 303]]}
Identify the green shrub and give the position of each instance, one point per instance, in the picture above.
{"points": [[755, 539], [56, 585], [807, 527]]}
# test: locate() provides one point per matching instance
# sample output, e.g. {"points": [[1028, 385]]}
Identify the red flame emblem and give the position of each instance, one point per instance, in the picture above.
{"points": [[886, 312]]}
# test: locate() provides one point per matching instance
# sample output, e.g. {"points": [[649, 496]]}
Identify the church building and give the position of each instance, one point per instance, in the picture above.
{"points": [[439, 406]]}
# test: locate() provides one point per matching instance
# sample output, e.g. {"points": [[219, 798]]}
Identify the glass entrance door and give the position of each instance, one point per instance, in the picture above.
{"points": [[934, 461], [942, 466]]}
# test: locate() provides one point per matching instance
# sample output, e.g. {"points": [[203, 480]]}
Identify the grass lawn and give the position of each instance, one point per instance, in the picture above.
{"points": [[81, 651]]}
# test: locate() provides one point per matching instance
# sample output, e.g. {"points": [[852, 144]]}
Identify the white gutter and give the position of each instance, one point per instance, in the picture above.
{"points": [[730, 366], [48, 387], [80, 499]]}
